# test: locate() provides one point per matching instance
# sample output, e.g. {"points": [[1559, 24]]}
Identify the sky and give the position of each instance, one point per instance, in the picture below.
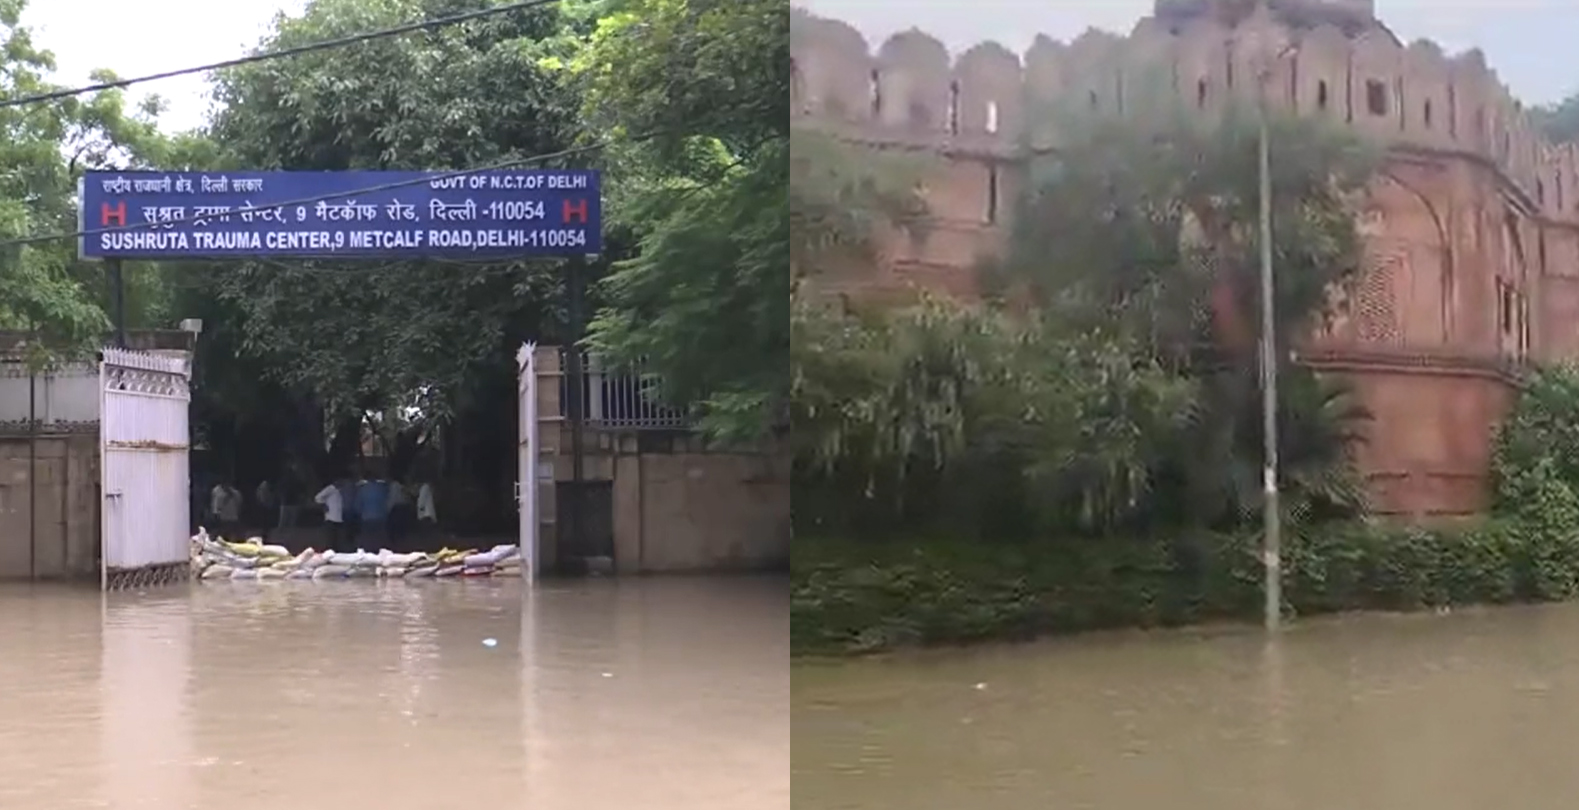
{"points": [[1532, 44], [151, 36]]}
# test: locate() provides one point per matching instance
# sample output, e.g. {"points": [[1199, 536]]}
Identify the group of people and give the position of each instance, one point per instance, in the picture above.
{"points": [[370, 512], [375, 513]]}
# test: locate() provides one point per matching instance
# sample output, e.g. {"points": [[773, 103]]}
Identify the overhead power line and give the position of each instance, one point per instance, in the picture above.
{"points": [[437, 22], [355, 192]]}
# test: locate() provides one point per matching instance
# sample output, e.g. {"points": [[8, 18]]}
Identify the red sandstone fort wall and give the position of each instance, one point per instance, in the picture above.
{"points": [[1473, 226]]}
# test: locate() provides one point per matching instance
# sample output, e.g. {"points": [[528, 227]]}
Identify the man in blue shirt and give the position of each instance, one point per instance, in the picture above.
{"points": [[349, 501], [372, 499]]}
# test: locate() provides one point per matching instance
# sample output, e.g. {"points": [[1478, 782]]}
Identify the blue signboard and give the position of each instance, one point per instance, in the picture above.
{"points": [[497, 213]]}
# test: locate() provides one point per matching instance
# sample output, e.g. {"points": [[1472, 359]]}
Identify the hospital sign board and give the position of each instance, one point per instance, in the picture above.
{"points": [[498, 213]]}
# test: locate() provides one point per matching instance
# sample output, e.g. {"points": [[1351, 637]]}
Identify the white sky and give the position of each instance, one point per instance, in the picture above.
{"points": [[1532, 44], [151, 36]]}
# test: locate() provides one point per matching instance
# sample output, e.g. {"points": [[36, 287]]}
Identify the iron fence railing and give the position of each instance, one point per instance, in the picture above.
{"points": [[623, 398]]}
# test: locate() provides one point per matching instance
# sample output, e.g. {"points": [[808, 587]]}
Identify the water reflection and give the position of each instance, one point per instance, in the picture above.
{"points": [[146, 749], [247, 696], [1466, 711], [689, 731]]}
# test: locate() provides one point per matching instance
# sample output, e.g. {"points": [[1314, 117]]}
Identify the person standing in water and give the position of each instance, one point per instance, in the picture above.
{"points": [[336, 538], [372, 504], [427, 513]]}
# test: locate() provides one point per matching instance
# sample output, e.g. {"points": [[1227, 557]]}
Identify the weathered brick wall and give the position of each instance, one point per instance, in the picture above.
{"points": [[1473, 226]]}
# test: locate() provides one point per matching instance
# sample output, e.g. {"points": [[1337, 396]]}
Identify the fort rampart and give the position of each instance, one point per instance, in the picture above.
{"points": [[1472, 227]]}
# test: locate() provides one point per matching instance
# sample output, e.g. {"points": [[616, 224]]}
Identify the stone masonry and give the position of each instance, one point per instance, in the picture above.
{"points": [[1472, 226]]}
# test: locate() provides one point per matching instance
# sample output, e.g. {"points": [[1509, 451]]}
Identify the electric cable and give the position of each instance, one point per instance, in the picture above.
{"points": [[355, 39]]}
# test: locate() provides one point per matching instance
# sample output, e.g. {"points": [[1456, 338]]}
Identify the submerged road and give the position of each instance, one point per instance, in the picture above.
{"points": [[1467, 711], [659, 694]]}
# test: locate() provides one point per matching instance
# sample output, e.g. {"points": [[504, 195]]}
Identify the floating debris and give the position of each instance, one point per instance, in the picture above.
{"points": [[215, 558]]}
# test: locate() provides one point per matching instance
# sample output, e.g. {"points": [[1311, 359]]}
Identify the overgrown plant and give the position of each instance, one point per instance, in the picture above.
{"points": [[1537, 446], [1148, 225]]}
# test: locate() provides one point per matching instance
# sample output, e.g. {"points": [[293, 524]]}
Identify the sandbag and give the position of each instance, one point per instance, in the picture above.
{"points": [[218, 571], [489, 557], [300, 573], [244, 573], [454, 556], [362, 572], [350, 558], [330, 571], [390, 559], [477, 571], [421, 572], [449, 571], [245, 549], [270, 573]]}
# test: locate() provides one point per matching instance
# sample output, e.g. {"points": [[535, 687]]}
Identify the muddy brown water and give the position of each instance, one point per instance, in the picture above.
{"points": [[656, 694], [1473, 710]]}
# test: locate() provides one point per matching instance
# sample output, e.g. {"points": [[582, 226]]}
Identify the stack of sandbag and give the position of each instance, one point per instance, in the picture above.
{"points": [[215, 558]]}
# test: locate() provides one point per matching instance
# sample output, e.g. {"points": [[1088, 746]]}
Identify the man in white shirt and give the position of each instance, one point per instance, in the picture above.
{"points": [[224, 503], [333, 504], [426, 513]]}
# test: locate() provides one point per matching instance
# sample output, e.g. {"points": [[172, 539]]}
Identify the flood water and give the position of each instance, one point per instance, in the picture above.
{"points": [[657, 694], [1470, 710]]}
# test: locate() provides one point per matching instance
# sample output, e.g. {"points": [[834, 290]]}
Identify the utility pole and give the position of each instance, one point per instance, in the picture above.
{"points": [[575, 405], [1272, 518], [117, 301]]}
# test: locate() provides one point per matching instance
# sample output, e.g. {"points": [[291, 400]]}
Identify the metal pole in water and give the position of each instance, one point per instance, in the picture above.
{"points": [[1271, 515], [32, 461]]}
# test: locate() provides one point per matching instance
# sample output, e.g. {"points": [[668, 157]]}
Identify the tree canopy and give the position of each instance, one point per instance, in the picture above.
{"points": [[1118, 392], [697, 91], [683, 101], [371, 335], [43, 286]]}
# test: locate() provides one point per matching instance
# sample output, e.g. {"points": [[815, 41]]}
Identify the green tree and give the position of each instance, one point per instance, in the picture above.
{"points": [[1559, 122], [1149, 226], [697, 91], [365, 335], [43, 285]]}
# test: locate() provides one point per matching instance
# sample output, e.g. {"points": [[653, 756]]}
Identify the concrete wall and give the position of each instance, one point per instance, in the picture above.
{"points": [[1472, 259], [678, 505], [65, 491], [699, 511]]}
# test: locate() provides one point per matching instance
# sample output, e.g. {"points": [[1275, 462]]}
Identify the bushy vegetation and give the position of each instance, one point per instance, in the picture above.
{"points": [[1084, 451], [861, 597], [1113, 387]]}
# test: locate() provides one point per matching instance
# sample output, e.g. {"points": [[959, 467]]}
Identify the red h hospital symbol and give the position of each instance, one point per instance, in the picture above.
{"points": [[118, 213], [576, 207]]}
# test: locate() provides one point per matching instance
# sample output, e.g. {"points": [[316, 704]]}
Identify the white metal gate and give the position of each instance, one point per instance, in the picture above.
{"points": [[143, 445], [526, 486]]}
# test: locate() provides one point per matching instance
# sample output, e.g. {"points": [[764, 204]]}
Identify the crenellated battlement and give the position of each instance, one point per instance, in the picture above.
{"points": [[1341, 64], [1471, 230]]}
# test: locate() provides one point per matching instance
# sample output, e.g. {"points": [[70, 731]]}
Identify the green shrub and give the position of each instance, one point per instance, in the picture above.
{"points": [[858, 597]]}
